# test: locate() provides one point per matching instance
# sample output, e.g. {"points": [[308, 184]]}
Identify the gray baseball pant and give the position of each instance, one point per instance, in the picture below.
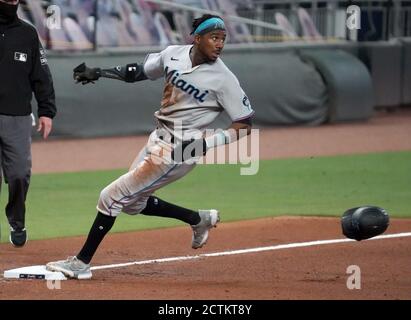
{"points": [[15, 159]]}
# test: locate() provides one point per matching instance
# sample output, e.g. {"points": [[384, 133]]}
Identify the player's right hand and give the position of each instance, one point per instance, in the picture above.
{"points": [[85, 75]]}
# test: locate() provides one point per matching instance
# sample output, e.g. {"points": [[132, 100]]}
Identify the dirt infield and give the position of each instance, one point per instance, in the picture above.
{"points": [[316, 272]]}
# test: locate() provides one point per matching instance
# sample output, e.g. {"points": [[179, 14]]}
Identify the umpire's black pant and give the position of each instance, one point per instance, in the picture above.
{"points": [[15, 159]]}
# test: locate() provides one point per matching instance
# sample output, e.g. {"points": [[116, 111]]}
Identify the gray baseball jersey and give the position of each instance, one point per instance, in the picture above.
{"points": [[194, 97]]}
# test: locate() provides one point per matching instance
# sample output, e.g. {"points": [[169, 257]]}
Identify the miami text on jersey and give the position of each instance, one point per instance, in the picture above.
{"points": [[173, 77]]}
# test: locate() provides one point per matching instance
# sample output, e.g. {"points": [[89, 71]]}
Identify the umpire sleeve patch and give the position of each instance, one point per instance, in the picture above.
{"points": [[43, 59]]}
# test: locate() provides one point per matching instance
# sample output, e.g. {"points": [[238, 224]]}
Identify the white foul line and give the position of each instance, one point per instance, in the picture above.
{"points": [[242, 251]]}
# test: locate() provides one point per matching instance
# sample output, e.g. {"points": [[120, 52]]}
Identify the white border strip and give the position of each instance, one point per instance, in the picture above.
{"points": [[243, 251]]}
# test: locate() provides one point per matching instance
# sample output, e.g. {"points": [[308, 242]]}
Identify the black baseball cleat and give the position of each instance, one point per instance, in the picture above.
{"points": [[18, 238]]}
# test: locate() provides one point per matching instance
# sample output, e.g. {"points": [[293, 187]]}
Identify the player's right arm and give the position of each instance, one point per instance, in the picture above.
{"points": [[130, 73], [152, 68]]}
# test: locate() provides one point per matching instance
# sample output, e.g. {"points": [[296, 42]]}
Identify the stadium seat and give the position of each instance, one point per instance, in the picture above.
{"points": [[288, 31], [238, 32], [76, 35], [309, 29], [167, 35], [183, 27], [59, 40], [146, 12]]}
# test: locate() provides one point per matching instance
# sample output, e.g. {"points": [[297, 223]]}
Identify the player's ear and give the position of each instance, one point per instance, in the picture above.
{"points": [[197, 39]]}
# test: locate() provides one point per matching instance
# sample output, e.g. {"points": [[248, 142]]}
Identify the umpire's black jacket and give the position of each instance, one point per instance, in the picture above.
{"points": [[23, 70]]}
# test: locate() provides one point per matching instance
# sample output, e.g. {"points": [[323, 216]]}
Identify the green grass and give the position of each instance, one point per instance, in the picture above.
{"points": [[64, 204]]}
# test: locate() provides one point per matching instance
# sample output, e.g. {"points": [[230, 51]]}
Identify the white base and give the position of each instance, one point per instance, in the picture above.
{"points": [[34, 272]]}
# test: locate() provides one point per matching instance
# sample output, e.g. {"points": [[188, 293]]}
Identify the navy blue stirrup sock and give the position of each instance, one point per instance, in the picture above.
{"points": [[160, 208], [101, 226]]}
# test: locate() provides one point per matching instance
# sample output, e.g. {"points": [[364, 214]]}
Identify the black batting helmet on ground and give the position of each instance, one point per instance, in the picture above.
{"points": [[364, 222]]}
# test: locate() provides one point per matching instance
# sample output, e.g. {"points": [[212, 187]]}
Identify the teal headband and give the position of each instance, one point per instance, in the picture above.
{"points": [[209, 25]]}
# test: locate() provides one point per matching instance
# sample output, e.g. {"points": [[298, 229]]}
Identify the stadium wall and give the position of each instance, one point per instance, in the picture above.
{"points": [[284, 87]]}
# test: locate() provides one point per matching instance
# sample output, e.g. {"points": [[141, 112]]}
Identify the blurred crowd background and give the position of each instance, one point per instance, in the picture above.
{"points": [[300, 62], [92, 24]]}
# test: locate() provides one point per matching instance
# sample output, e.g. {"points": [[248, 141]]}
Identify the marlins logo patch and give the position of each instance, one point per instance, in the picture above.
{"points": [[246, 102], [22, 57]]}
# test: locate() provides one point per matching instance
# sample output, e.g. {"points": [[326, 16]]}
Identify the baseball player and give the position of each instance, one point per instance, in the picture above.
{"points": [[198, 87]]}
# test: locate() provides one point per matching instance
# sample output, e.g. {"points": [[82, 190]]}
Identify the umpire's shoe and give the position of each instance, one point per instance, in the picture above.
{"points": [[209, 219], [18, 237], [72, 268]]}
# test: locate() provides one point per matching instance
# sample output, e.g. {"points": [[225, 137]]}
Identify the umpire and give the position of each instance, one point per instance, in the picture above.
{"points": [[23, 70]]}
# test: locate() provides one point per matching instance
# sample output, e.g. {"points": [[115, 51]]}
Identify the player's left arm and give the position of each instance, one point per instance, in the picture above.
{"points": [[199, 147], [237, 105], [238, 128]]}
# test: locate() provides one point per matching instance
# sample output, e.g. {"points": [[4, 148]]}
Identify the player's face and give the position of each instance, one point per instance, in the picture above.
{"points": [[212, 43]]}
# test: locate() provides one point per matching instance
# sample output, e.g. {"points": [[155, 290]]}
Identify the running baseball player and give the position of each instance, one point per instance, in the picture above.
{"points": [[198, 87]]}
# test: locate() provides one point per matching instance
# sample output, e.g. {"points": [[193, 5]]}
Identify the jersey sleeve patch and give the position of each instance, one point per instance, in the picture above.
{"points": [[43, 58]]}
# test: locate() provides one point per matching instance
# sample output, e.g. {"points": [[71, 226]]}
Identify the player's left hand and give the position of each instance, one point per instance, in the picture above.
{"points": [[189, 149], [45, 125]]}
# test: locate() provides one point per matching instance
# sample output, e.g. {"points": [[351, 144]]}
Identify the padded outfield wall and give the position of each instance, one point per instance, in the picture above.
{"points": [[285, 85]]}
